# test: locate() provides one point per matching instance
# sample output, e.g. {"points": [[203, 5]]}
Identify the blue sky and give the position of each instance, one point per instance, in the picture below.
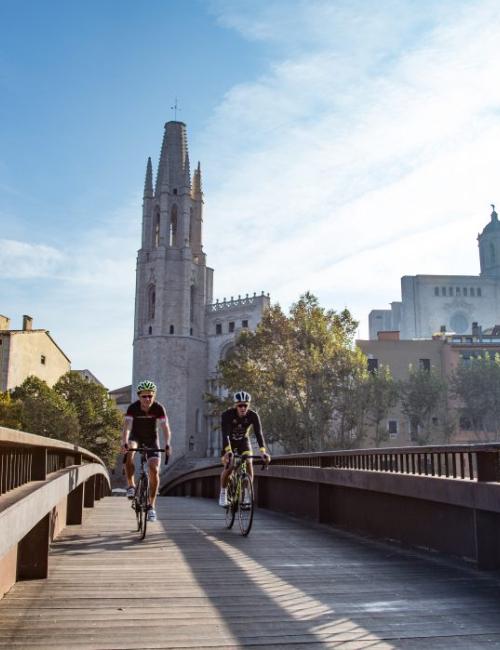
{"points": [[343, 144]]}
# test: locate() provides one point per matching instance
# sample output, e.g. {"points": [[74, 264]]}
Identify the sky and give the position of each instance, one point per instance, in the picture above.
{"points": [[343, 145]]}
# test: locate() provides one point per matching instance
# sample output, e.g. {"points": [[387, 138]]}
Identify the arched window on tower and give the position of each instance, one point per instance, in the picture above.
{"points": [[191, 226], [173, 226], [492, 253], [151, 301], [191, 304], [156, 229]]}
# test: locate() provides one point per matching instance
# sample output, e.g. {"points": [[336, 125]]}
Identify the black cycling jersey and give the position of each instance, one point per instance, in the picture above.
{"points": [[236, 430], [144, 423]]}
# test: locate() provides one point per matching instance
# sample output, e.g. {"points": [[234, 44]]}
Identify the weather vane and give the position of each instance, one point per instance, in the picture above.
{"points": [[175, 108]]}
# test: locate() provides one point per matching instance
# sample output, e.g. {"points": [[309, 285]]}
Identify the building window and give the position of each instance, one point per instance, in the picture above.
{"points": [[190, 331], [171, 330], [156, 229], [443, 291], [450, 291], [218, 328], [151, 302], [479, 292], [424, 364], [457, 291], [465, 291], [150, 330], [42, 359], [472, 291], [392, 428], [244, 324], [175, 190], [172, 239], [231, 326], [372, 365], [436, 291]]}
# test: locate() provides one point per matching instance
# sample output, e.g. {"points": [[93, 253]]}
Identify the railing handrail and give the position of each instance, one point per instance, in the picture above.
{"points": [[15, 438]]}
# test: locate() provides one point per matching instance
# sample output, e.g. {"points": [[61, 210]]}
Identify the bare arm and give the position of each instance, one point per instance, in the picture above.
{"points": [[165, 429], [127, 428]]}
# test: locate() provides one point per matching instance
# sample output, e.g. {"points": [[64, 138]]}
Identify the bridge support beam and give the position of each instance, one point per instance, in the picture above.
{"points": [[89, 492], [487, 539], [33, 552], [74, 512]]}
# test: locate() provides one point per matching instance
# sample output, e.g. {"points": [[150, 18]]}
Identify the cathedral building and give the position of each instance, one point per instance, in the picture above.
{"points": [[450, 303], [180, 333]]}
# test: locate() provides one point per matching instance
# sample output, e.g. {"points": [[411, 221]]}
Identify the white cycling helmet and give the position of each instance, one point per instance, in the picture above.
{"points": [[147, 384], [242, 396]]}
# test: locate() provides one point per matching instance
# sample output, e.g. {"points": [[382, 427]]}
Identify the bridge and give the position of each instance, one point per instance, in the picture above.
{"points": [[316, 571]]}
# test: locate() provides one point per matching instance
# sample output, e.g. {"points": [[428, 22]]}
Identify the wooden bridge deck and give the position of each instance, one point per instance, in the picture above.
{"points": [[194, 584]]}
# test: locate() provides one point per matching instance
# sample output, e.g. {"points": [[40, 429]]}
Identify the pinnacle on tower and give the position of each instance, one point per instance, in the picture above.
{"points": [[148, 183], [197, 180]]}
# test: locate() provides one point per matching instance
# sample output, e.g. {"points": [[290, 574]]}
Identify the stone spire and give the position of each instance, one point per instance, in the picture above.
{"points": [[173, 168], [197, 181], [148, 183]]}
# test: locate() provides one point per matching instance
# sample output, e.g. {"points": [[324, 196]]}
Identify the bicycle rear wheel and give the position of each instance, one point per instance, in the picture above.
{"points": [[245, 505], [232, 503], [137, 507]]}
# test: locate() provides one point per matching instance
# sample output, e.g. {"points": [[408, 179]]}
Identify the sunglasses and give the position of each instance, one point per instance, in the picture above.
{"points": [[146, 396], [242, 406]]}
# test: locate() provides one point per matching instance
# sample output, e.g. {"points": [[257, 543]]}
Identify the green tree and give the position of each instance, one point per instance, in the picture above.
{"points": [[99, 419], [423, 398], [382, 396], [45, 412], [10, 411], [300, 369], [477, 385]]}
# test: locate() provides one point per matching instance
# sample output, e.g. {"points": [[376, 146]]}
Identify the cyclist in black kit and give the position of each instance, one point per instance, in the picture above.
{"points": [[236, 424], [140, 428]]}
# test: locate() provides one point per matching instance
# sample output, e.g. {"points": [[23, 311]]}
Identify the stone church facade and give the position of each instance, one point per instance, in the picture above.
{"points": [[453, 303], [180, 333]]}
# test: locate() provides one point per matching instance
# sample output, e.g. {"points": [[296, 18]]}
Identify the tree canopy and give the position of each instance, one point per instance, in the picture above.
{"points": [[300, 369], [74, 410]]}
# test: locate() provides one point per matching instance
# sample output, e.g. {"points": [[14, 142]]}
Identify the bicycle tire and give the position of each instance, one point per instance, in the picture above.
{"points": [[232, 500], [245, 505], [137, 508], [144, 505]]}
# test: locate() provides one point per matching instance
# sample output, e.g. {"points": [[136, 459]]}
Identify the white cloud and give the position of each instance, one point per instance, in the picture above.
{"points": [[367, 152], [22, 260]]}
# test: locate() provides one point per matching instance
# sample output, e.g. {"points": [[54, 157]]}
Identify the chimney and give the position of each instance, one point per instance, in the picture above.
{"points": [[27, 323], [476, 330], [442, 329], [4, 322]]}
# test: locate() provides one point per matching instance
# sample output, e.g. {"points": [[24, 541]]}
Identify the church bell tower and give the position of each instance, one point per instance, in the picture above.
{"points": [[173, 287]]}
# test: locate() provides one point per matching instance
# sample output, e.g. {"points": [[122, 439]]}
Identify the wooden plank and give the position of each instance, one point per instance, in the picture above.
{"points": [[194, 584]]}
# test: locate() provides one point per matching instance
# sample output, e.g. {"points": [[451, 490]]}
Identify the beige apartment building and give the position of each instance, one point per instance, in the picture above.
{"points": [[29, 351], [442, 353]]}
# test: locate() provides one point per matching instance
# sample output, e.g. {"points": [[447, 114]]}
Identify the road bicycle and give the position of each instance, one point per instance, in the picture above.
{"points": [[240, 495], [140, 500]]}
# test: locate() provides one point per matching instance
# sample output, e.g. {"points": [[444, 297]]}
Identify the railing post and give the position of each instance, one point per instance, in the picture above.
{"points": [[488, 467], [33, 552], [74, 512], [39, 464], [89, 498]]}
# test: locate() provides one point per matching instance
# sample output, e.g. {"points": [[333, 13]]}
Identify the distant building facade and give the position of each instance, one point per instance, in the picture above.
{"points": [[180, 333], [431, 302], [29, 351], [441, 354]]}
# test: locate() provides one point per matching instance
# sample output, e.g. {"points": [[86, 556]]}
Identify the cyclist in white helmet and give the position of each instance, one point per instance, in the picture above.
{"points": [[236, 423], [140, 428]]}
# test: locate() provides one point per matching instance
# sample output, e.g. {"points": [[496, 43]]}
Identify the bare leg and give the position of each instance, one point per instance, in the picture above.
{"points": [[130, 465], [154, 479]]}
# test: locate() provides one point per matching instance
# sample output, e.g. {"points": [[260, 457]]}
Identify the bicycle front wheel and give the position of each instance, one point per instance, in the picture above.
{"points": [[245, 505], [144, 505], [232, 503]]}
